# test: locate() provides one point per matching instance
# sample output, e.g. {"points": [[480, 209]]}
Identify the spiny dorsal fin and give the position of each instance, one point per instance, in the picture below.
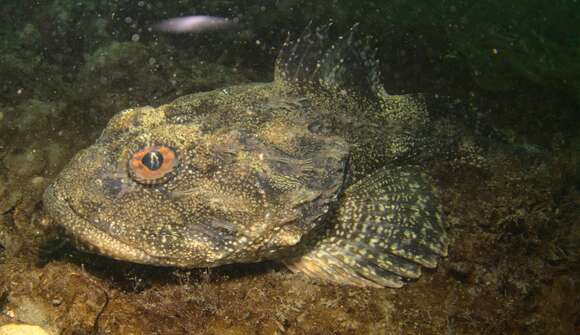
{"points": [[344, 63]]}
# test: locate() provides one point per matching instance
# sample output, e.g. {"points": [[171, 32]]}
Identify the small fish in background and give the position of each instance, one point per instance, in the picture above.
{"points": [[193, 24]]}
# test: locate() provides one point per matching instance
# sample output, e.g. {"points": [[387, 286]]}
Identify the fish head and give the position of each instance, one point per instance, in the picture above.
{"points": [[170, 190]]}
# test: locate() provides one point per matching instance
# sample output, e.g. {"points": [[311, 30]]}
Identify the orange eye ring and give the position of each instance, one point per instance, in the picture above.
{"points": [[153, 165]]}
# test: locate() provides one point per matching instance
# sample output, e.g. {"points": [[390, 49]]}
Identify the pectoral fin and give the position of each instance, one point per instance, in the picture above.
{"points": [[388, 226]]}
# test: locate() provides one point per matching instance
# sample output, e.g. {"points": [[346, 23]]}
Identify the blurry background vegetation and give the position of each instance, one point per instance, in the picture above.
{"points": [[519, 59]]}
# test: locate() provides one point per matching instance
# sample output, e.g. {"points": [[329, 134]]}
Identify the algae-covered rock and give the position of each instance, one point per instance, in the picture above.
{"points": [[57, 154], [9, 194], [31, 311], [32, 118], [25, 163]]}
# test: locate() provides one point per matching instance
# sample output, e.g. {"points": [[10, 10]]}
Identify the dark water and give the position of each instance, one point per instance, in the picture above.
{"points": [[67, 67]]}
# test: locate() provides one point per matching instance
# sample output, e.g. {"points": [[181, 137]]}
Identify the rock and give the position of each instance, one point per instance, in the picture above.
{"points": [[57, 155], [8, 197], [36, 116], [14, 329], [25, 164]]}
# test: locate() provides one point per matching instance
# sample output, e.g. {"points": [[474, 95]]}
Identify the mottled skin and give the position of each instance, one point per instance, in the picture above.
{"points": [[316, 175]]}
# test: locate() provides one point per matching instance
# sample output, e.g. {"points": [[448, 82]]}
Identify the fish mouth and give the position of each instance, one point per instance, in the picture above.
{"points": [[90, 237]]}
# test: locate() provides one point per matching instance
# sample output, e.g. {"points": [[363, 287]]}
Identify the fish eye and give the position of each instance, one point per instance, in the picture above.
{"points": [[153, 160], [153, 164]]}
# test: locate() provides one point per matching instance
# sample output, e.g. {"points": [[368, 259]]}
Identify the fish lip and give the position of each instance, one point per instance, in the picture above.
{"points": [[104, 243], [90, 235]]}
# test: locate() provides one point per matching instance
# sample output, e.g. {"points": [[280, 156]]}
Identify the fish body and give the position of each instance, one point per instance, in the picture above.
{"points": [[320, 169]]}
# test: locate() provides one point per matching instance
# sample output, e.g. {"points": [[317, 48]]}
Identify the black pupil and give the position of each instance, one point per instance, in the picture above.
{"points": [[153, 160]]}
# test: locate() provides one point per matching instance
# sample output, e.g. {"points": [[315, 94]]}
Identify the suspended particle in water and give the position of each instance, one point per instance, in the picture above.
{"points": [[193, 24]]}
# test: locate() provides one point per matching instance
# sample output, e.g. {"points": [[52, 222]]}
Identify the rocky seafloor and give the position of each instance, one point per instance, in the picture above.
{"points": [[514, 260]]}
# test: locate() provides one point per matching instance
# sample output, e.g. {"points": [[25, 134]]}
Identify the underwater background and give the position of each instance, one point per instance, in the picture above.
{"points": [[66, 67]]}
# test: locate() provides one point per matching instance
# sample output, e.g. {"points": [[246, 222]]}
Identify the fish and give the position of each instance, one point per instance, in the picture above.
{"points": [[320, 169], [193, 24]]}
